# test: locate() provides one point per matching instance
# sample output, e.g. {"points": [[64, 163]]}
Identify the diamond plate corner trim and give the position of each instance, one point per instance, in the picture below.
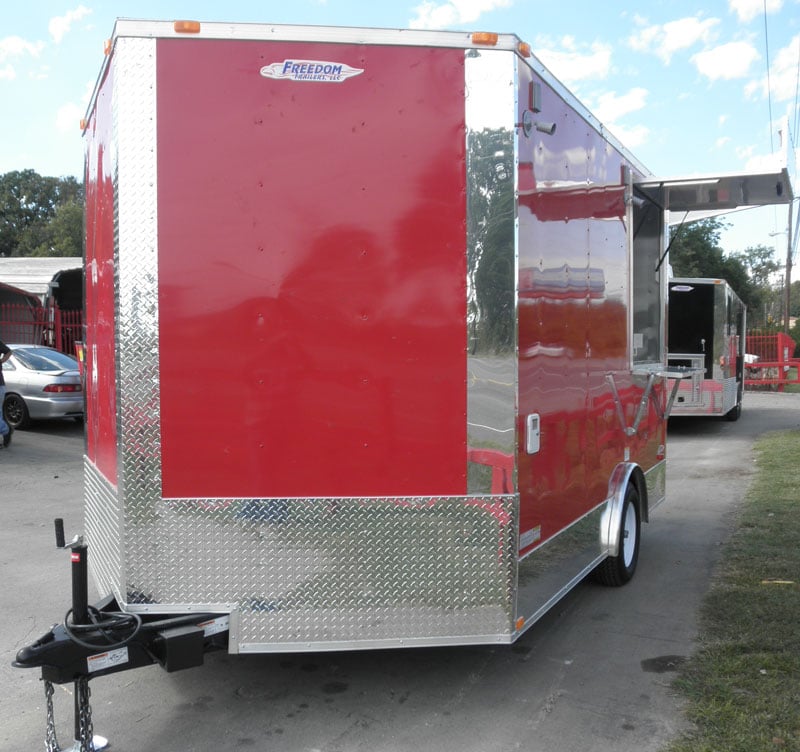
{"points": [[136, 251], [103, 522], [656, 480]]}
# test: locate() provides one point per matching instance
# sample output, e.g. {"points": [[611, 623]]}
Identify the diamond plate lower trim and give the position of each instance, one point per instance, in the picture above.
{"points": [[330, 570], [656, 480], [103, 532]]}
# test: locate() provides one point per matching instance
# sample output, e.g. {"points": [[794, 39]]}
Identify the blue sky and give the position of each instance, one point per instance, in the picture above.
{"points": [[683, 85]]}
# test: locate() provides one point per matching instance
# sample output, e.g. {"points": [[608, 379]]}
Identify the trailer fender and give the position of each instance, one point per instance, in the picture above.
{"points": [[624, 474]]}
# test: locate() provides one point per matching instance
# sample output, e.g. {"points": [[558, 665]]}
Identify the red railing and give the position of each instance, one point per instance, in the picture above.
{"points": [[773, 364], [21, 323]]}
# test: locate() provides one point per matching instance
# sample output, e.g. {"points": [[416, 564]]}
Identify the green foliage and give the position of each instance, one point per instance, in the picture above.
{"points": [[40, 216], [491, 234], [742, 682], [695, 251], [794, 333], [61, 236], [794, 305]]}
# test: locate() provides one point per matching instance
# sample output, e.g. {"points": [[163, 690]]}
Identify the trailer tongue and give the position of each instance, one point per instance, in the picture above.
{"points": [[375, 348]]}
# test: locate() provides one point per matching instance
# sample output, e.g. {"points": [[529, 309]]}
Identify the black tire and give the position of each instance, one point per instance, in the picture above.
{"points": [[736, 411], [15, 411], [618, 570]]}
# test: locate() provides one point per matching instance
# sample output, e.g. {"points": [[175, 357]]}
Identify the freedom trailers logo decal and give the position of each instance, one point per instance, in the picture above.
{"points": [[310, 70]]}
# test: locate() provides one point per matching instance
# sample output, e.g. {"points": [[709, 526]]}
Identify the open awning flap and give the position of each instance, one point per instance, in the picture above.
{"points": [[701, 196]]}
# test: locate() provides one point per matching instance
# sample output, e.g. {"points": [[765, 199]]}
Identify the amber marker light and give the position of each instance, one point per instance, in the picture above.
{"points": [[186, 27], [83, 124], [107, 47], [524, 49], [520, 623], [486, 38]]}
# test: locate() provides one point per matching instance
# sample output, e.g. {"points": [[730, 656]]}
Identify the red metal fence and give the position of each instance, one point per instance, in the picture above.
{"points": [[774, 365], [21, 323]]}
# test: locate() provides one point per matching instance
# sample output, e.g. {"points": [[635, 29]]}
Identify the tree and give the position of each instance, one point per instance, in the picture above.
{"points": [[491, 233], [695, 252], [760, 262], [794, 306], [29, 204], [61, 236]]}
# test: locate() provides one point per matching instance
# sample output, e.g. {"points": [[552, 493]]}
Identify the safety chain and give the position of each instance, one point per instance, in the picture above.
{"points": [[50, 740], [86, 738], [85, 742]]}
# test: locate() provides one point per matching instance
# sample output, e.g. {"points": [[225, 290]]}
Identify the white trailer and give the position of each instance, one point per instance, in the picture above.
{"points": [[707, 336]]}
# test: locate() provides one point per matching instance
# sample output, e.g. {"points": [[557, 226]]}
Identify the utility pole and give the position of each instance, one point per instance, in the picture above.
{"points": [[788, 270]]}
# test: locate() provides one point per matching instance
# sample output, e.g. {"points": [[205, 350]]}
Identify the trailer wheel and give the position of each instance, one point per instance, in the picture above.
{"points": [[15, 411], [736, 411], [618, 570]]}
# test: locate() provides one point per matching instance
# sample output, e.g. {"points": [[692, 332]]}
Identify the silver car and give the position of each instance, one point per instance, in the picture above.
{"points": [[41, 382]]}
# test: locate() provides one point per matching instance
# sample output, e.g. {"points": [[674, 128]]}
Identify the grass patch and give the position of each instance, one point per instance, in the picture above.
{"points": [[794, 388], [743, 684]]}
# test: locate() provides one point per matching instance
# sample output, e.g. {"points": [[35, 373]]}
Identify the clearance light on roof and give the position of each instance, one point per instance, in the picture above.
{"points": [[524, 49], [486, 38], [107, 47], [186, 27]]}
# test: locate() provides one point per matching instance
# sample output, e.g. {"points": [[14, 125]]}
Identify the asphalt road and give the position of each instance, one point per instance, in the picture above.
{"points": [[593, 676]]}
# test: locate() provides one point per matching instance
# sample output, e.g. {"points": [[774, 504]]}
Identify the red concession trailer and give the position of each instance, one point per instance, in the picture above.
{"points": [[375, 344]]}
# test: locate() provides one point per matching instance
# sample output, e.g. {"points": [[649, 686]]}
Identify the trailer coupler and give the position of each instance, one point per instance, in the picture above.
{"points": [[98, 640]]}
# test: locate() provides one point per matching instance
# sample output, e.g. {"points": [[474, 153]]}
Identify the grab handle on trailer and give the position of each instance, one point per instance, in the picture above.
{"points": [[671, 373]]}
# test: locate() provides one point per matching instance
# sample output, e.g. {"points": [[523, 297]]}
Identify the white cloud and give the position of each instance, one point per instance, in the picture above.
{"points": [[664, 40], [723, 141], [745, 152], [433, 15], [728, 61], [68, 118], [631, 137], [747, 10], [60, 25], [17, 46], [609, 107], [69, 115], [782, 74], [763, 162], [722, 120], [573, 64]]}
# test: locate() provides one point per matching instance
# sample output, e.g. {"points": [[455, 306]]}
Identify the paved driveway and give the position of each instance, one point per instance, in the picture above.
{"points": [[593, 675]]}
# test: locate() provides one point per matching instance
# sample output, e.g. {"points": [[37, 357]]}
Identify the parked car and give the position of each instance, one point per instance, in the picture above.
{"points": [[41, 382]]}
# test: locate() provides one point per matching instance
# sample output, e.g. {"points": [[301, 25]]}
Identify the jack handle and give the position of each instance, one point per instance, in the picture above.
{"points": [[80, 573]]}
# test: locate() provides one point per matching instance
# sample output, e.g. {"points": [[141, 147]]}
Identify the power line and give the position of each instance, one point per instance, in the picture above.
{"points": [[769, 82], [796, 93]]}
